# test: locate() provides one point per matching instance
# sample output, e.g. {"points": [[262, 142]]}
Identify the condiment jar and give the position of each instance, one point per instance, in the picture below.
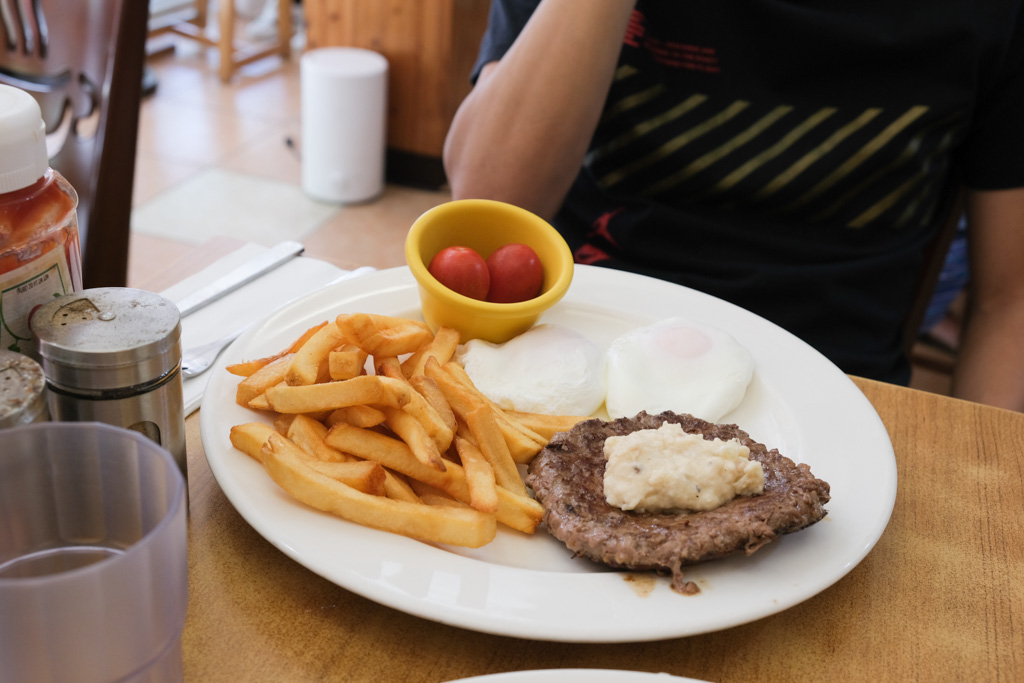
{"points": [[40, 257], [22, 390], [113, 355]]}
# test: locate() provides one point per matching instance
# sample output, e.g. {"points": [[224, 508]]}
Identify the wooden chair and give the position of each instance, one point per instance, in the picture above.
{"points": [[82, 60], [191, 23]]}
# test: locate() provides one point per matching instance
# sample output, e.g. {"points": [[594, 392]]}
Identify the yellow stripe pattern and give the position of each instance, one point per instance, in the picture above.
{"points": [[713, 152]]}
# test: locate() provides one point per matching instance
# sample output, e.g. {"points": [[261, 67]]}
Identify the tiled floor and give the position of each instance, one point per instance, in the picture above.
{"points": [[223, 159], [219, 158]]}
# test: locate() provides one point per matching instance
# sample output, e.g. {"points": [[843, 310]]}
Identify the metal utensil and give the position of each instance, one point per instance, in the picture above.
{"points": [[242, 275], [198, 360]]}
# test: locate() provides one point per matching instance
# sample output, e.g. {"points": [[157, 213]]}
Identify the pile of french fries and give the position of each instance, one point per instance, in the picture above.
{"points": [[414, 448]]}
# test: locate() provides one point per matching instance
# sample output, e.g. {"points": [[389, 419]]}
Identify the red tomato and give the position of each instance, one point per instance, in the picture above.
{"points": [[462, 270], [516, 274]]}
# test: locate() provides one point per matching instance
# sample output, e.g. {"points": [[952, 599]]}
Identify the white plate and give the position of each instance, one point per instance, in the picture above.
{"points": [[529, 586], [577, 676]]}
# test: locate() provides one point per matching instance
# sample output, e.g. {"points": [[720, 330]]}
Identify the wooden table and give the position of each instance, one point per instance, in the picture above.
{"points": [[939, 598]]}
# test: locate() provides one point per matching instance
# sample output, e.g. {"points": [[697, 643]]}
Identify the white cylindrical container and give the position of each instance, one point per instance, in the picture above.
{"points": [[344, 123]]}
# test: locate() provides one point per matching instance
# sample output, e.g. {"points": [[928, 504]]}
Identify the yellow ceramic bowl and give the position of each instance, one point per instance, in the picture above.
{"points": [[485, 225]]}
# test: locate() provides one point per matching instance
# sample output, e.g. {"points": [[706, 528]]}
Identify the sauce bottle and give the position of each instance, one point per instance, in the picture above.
{"points": [[40, 256]]}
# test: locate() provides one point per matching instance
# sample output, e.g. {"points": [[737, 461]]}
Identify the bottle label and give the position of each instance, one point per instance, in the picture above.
{"points": [[26, 287]]}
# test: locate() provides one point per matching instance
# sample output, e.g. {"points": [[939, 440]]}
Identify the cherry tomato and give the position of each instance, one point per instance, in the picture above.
{"points": [[516, 274], [462, 270]]}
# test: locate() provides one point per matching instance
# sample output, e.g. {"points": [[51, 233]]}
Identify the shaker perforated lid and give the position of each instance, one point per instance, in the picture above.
{"points": [[23, 158], [107, 338], [22, 390]]}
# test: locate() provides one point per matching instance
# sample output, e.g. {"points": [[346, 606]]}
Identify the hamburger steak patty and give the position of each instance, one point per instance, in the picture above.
{"points": [[567, 477]]}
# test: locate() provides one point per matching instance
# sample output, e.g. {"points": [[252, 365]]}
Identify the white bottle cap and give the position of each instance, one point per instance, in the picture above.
{"points": [[23, 158]]}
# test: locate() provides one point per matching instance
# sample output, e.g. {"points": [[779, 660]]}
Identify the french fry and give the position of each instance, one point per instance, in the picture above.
{"points": [[396, 341], [546, 426], [376, 321], [461, 399], [483, 493], [409, 429], [308, 434], [282, 422], [261, 380], [430, 494], [309, 361], [358, 327], [389, 367], [441, 348], [250, 437], [382, 335], [259, 403], [442, 499], [418, 406], [523, 443], [346, 362], [385, 321], [514, 511], [389, 451], [246, 368], [304, 337], [357, 416], [521, 513], [428, 389], [433, 424], [396, 486], [373, 447], [372, 389], [435, 524], [492, 445], [362, 475]]}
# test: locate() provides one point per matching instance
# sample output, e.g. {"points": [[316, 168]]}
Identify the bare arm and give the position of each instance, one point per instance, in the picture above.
{"points": [[521, 134], [990, 368]]}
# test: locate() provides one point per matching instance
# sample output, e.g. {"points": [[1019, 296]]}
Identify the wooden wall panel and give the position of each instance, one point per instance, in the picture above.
{"points": [[430, 46]]}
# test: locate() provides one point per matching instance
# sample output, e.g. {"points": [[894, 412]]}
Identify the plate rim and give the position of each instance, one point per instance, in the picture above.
{"points": [[399, 282], [578, 675]]}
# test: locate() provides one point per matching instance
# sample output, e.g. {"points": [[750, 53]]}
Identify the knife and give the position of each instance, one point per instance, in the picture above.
{"points": [[243, 274]]}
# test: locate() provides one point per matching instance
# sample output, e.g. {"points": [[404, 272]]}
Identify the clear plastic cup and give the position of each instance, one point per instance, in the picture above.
{"points": [[93, 555]]}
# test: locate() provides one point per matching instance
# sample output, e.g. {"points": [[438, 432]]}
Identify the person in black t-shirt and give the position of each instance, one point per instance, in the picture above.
{"points": [[794, 158]]}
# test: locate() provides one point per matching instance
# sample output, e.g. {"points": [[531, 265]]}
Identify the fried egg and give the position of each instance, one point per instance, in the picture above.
{"points": [[548, 369], [677, 365]]}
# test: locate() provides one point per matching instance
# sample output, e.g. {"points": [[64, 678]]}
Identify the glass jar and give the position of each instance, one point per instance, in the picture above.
{"points": [[40, 255]]}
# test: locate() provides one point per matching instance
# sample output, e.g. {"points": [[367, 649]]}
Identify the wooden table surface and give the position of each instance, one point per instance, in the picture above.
{"points": [[940, 597]]}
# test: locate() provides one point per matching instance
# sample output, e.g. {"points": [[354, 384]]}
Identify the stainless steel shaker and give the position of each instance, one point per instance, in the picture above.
{"points": [[22, 390], [113, 355]]}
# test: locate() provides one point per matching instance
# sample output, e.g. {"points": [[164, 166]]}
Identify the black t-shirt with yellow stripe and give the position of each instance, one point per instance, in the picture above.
{"points": [[796, 158]]}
